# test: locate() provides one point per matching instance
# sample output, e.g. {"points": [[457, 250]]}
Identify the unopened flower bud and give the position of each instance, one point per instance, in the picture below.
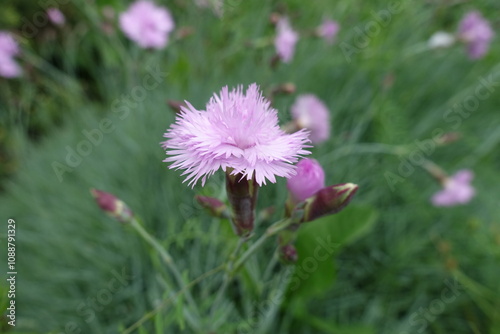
{"points": [[286, 239], [309, 179], [266, 213], [328, 201], [108, 12], [113, 206], [242, 196], [215, 207], [274, 18], [286, 88]]}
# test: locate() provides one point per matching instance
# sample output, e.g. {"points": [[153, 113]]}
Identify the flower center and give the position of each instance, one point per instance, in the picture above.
{"points": [[240, 141]]}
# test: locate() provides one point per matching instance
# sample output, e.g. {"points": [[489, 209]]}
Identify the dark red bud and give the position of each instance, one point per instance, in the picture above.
{"points": [[328, 201], [176, 105], [113, 206], [288, 254]]}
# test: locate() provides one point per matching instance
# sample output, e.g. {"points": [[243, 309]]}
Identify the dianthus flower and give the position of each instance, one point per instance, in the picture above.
{"points": [[56, 16], [309, 179], [285, 40], [476, 32], [328, 30], [311, 113], [457, 190], [8, 49]]}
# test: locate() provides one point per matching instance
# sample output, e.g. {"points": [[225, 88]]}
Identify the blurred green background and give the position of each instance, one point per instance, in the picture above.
{"points": [[396, 254]]}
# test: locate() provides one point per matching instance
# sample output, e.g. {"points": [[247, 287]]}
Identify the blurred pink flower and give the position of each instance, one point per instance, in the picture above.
{"points": [[8, 45], [8, 67], [311, 113], [328, 30], [285, 40], [237, 130], [56, 16], [8, 49], [309, 179], [476, 32], [457, 190], [147, 24]]}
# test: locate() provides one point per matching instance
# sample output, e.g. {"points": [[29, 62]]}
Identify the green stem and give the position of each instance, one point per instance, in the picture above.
{"points": [[167, 259], [260, 43], [270, 266], [437, 172], [276, 295], [62, 78], [234, 265], [152, 313], [377, 148], [232, 257], [271, 231], [434, 170], [416, 49]]}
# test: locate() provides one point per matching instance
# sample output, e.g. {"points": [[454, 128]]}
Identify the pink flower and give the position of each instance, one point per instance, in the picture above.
{"points": [[8, 67], [476, 32], [56, 16], [285, 40], [8, 49], [328, 30], [147, 24], [457, 190], [309, 179], [311, 113], [237, 130]]}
